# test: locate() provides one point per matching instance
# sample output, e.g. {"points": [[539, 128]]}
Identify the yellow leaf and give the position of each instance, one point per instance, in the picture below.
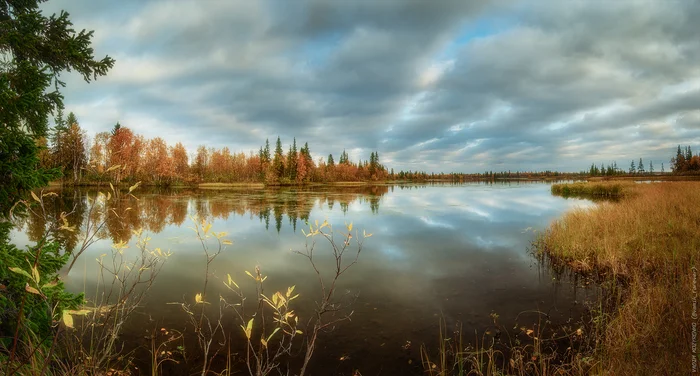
{"points": [[290, 290], [35, 274], [67, 319], [299, 332], [111, 186], [50, 284], [81, 312], [227, 242], [251, 276], [31, 289], [35, 197], [263, 342], [198, 298], [112, 169], [350, 227], [206, 228], [20, 271], [231, 281], [131, 189], [248, 330]]}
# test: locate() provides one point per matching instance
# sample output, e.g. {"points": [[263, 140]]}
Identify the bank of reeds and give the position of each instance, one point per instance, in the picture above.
{"points": [[650, 243], [593, 189]]}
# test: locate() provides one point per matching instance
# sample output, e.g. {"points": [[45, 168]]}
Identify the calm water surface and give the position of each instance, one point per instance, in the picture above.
{"points": [[452, 251]]}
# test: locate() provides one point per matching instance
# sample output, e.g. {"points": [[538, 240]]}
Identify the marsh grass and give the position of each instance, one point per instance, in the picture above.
{"points": [[538, 348], [593, 189], [647, 244]]}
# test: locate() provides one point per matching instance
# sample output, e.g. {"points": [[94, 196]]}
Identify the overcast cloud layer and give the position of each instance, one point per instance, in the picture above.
{"points": [[432, 85]]}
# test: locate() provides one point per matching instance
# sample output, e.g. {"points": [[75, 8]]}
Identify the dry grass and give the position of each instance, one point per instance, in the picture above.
{"points": [[650, 240], [598, 189]]}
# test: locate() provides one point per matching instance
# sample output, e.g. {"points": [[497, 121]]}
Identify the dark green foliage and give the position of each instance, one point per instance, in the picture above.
{"points": [[278, 160], [343, 158], [35, 49], [18, 168], [36, 319], [291, 165], [41, 47]]}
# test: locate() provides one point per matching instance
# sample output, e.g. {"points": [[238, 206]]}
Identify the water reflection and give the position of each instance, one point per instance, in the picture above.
{"points": [[154, 210], [452, 251]]}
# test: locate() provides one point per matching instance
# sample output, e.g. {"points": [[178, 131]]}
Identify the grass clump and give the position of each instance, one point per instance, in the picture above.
{"points": [[649, 240], [597, 189]]}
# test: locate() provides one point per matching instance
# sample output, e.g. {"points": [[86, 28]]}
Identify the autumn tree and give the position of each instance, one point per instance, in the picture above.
{"points": [[158, 162], [98, 153], [180, 161], [68, 149], [201, 162], [122, 152], [330, 168]]}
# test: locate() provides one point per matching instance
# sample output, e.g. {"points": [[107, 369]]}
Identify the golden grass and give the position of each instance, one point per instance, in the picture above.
{"points": [[597, 189], [650, 240]]}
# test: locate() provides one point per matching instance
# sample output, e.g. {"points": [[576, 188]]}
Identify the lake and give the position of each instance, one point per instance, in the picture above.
{"points": [[456, 252]]}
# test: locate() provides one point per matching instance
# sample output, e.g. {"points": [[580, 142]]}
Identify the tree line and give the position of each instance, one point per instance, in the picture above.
{"points": [[612, 169], [684, 162], [121, 155], [124, 156]]}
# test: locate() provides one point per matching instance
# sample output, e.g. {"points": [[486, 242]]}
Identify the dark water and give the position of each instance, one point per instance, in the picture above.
{"points": [[457, 252]]}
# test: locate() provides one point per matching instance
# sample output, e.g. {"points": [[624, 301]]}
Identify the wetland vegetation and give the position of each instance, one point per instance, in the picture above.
{"points": [[286, 264]]}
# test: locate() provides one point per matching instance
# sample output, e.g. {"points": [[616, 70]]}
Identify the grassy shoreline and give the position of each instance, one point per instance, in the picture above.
{"points": [[599, 189], [650, 239]]}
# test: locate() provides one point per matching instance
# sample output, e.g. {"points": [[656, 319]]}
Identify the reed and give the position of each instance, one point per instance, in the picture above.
{"points": [[648, 242], [594, 189]]}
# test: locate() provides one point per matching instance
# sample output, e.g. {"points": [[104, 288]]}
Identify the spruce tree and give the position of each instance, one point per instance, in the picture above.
{"points": [[35, 50], [277, 161]]}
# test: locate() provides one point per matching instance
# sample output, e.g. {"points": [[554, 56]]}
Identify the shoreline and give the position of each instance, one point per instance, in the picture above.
{"points": [[643, 248], [260, 185]]}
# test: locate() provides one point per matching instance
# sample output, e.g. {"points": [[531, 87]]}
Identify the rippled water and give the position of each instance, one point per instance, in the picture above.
{"points": [[452, 251]]}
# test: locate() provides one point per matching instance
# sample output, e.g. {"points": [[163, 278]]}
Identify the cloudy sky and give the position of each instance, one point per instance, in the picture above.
{"points": [[431, 85]]}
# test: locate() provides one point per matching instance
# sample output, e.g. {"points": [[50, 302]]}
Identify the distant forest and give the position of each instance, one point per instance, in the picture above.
{"points": [[682, 163], [123, 156]]}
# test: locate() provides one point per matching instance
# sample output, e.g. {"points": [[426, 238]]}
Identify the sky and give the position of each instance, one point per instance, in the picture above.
{"points": [[437, 86]]}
